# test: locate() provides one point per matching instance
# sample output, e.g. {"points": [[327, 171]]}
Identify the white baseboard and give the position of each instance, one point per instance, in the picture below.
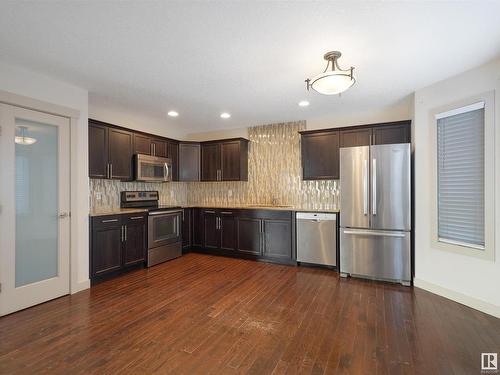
{"points": [[475, 303], [81, 285]]}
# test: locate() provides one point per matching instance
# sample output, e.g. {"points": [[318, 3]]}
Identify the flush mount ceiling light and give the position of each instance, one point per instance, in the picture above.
{"points": [[333, 81], [173, 113], [22, 139], [225, 115], [303, 103]]}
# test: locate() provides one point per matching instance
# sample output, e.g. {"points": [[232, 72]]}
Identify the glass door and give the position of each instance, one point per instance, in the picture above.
{"points": [[34, 199]]}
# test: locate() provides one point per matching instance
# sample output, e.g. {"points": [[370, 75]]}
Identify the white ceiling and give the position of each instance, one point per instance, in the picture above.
{"points": [[247, 58]]}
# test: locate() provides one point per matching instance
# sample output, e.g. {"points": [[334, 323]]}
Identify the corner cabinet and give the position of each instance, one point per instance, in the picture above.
{"points": [[225, 160], [320, 149], [117, 242]]}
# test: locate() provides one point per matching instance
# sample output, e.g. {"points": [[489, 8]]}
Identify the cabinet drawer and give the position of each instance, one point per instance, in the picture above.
{"points": [[266, 214], [139, 217], [107, 221]]}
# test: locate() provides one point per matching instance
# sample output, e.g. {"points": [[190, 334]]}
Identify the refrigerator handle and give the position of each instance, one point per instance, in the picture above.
{"points": [[365, 187], [374, 186]]}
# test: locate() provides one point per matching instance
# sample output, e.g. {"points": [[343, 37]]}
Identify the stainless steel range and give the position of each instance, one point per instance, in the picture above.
{"points": [[164, 225]]}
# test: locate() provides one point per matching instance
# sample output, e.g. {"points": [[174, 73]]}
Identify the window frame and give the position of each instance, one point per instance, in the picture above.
{"points": [[488, 252]]}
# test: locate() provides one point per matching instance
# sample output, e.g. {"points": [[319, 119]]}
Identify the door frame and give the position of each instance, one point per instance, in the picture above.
{"points": [[78, 196]]}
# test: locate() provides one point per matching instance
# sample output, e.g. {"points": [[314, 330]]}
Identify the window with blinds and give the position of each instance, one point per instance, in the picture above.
{"points": [[460, 176]]}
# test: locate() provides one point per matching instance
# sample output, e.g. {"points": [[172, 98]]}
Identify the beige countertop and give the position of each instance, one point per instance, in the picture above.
{"points": [[115, 211], [119, 211]]}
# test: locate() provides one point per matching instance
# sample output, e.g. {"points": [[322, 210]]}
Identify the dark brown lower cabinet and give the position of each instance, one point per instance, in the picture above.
{"points": [[277, 241], [258, 234], [117, 242], [249, 235]]}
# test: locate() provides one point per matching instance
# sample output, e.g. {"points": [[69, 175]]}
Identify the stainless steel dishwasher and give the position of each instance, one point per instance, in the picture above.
{"points": [[317, 238]]}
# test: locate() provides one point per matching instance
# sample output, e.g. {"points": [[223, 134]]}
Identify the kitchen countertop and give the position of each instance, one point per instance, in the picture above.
{"points": [[120, 211]]}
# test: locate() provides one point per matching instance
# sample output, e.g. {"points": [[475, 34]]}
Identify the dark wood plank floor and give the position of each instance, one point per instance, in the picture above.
{"points": [[206, 314]]}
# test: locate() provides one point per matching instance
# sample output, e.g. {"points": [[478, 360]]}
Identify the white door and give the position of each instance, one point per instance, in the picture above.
{"points": [[34, 207]]}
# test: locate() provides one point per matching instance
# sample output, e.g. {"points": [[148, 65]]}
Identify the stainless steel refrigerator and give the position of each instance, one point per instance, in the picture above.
{"points": [[375, 212]]}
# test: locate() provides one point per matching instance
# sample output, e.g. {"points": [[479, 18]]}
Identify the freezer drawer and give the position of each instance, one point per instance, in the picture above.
{"points": [[382, 255]]}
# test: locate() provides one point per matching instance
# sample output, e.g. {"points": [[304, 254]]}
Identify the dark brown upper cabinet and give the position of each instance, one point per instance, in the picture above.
{"points": [[98, 151], [355, 137], [144, 144], [320, 155], [173, 154], [225, 160], [320, 148], [189, 161], [110, 152], [392, 133]]}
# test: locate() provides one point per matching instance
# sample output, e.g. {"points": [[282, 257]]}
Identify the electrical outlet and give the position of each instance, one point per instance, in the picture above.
{"points": [[98, 196], [229, 193]]}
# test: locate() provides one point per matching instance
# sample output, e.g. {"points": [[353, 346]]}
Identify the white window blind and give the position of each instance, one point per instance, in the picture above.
{"points": [[460, 153]]}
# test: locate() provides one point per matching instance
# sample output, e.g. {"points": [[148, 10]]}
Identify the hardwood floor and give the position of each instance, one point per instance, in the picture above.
{"points": [[206, 314]]}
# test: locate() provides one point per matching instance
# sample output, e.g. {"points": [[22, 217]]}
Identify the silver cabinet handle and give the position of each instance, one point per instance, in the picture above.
{"points": [[110, 170], [226, 213], [137, 217], [374, 186], [375, 233], [107, 170], [165, 166], [121, 233], [209, 212], [365, 187], [125, 232], [110, 221]]}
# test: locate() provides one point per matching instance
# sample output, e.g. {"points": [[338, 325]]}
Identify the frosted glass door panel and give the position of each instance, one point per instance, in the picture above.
{"points": [[36, 203]]}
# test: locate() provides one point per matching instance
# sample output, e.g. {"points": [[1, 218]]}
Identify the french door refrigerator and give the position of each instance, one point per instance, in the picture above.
{"points": [[375, 203]]}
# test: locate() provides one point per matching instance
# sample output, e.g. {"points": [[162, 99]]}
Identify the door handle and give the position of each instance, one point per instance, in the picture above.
{"points": [[374, 186], [365, 187], [375, 233], [165, 166]]}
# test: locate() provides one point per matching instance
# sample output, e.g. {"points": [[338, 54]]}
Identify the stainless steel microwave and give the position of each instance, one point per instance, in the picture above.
{"points": [[152, 168]]}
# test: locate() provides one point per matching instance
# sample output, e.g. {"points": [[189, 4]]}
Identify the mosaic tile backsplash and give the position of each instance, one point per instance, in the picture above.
{"points": [[274, 176]]}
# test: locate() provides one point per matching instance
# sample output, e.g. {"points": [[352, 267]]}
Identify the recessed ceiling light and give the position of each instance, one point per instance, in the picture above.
{"points": [[303, 103], [173, 113], [225, 115]]}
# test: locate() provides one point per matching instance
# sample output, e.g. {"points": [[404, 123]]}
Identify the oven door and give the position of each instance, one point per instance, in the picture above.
{"points": [[152, 168], [164, 227]]}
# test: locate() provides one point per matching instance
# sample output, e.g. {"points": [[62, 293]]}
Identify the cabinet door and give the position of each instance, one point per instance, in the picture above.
{"points": [[186, 228], [230, 161], [277, 239], [189, 162], [142, 144], [98, 151], [210, 161], [159, 148], [120, 154], [173, 154], [211, 237], [355, 137], [197, 222], [320, 155], [390, 134], [106, 249], [135, 240], [249, 235], [227, 230]]}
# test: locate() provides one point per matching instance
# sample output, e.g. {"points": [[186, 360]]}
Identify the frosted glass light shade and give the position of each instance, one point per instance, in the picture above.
{"points": [[332, 82]]}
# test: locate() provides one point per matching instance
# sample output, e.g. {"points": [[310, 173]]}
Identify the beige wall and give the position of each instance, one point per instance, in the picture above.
{"points": [[466, 279]]}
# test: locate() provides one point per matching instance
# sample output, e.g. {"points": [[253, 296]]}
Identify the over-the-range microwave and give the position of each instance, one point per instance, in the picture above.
{"points": [[152, 168]]}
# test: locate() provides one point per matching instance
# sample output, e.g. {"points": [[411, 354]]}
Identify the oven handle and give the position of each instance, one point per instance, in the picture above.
{"points": [[164, 212]]}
